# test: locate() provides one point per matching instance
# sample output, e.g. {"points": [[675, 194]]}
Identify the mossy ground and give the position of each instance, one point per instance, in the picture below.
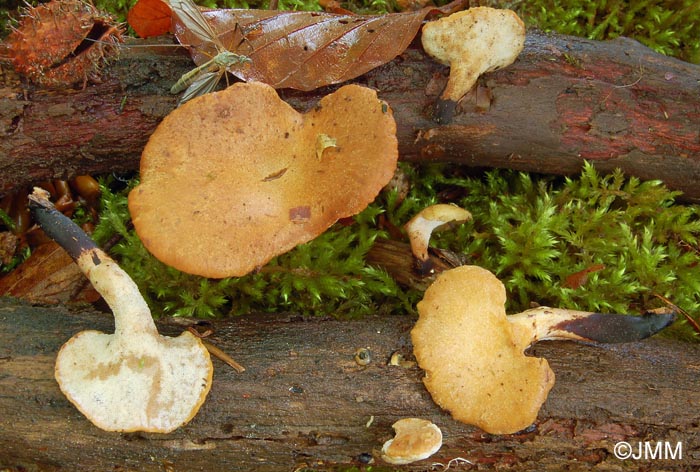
{"points": [[629, 238], [593, 242]]}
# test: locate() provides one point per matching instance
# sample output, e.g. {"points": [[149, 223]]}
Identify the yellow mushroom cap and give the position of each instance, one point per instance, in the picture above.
{"points": [[231, 179], [473, 357]]}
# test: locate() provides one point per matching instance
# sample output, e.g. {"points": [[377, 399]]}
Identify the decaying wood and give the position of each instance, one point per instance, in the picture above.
{"points": [[565, 100], [304, 402]]}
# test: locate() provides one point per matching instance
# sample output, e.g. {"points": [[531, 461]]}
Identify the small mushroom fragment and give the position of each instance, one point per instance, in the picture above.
{"points": [[233, 178], [473, 356], [134, 379], [416, 439], [422, 225], [472, 42]]}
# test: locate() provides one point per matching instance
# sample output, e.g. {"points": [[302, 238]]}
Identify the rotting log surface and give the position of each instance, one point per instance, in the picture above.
{"points": [[565, 99], [303, 401]]}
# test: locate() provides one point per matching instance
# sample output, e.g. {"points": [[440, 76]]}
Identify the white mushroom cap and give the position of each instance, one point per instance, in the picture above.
{"points": [[473, 42], [134, 379], [416, 439], [422, 225]]}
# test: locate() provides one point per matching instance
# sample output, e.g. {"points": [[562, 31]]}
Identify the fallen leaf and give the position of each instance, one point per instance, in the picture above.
{"points": [[150, 18], [48, 276], [578, 279], [306, 50]]}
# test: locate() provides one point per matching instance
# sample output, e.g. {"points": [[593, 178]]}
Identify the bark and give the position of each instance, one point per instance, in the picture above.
{"points": [[566, 99], [304, 402]]}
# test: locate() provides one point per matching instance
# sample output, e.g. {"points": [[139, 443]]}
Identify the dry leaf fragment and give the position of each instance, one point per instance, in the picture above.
{"points": [[578, 279], [48, 276], [306, 50]]}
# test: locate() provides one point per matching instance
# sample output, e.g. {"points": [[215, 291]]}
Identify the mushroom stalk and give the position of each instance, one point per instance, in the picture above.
{"points": [[545, 323], [116, 287]]}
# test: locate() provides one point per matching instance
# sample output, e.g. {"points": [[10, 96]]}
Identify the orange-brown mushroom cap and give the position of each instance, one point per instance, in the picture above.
{"points": [[473, 356], [231, 179]]}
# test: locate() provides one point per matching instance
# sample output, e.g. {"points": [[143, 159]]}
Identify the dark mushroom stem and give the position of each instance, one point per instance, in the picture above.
{"points": [[59, 227], [547, 323]]}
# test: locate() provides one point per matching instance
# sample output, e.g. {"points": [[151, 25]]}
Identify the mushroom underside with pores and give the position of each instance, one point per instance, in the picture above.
{"points": [[233, 178], [471, 42], [134, 379]]}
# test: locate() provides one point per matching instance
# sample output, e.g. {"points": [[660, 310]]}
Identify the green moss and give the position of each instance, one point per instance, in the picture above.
{"points": [[671, 27], [327, 276], [534, 232]]}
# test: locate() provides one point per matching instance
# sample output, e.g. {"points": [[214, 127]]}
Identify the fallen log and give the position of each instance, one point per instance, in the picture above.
{"points": [[304, 403], [565, 99]]}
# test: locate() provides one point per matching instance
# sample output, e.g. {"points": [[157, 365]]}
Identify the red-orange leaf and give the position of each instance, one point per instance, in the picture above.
{"points": [[150, 18], [305, 50]]}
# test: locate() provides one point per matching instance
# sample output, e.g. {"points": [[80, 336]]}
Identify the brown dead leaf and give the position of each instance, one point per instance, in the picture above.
{"points": [[578, 279], [306, 50], [48, 276]]}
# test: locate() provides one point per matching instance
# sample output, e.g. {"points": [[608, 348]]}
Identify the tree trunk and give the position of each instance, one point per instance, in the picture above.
{"points": [[566, 99], [304, 402]]}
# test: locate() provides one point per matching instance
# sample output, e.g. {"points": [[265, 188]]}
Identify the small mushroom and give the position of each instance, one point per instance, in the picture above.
{"points": [[473, 355], [416, 439], [134, 379], [472, 42], [231, 179], [422, 225]]}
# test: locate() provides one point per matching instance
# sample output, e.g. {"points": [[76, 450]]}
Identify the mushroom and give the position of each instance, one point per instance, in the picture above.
{"points": [[472, 42], [422, 225], [134, 379], [231, 179], [416, 439], [472, 354]]}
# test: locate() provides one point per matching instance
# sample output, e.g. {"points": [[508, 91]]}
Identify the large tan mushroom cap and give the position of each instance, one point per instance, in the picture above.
{"points": [[231, 179], [473, 357]]}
